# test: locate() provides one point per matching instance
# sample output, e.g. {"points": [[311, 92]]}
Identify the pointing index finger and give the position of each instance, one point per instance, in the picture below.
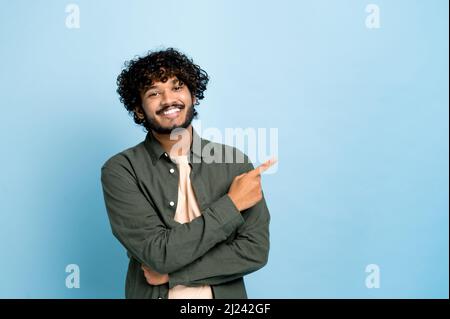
{"points": [[264, 166]]}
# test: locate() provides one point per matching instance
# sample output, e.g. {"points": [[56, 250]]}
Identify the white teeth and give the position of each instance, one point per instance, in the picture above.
{"points": [[171, 111]]}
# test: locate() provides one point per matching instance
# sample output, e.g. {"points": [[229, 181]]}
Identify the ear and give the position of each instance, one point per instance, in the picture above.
{"points": [[194, 100], [139, 112]]}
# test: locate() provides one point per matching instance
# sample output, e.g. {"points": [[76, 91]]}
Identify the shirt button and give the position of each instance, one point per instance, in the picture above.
{"points": [[171, 204], [171, 170]]}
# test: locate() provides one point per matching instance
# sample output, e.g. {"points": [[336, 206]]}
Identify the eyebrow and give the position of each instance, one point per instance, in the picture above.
{"points": [[174, 81]]}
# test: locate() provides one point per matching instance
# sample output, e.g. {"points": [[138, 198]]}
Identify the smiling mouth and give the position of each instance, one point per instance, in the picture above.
{"points": [[171, 112]]}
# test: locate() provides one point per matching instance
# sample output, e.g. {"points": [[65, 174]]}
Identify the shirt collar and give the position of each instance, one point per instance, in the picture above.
{"points": [[156, 150]]}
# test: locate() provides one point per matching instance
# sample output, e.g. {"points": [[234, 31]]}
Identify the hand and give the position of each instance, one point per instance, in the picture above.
{"points": [[245, 191], [154, 278]]}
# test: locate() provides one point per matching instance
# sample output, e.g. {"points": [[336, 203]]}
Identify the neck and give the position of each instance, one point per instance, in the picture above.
{"points": [[180, 143]]}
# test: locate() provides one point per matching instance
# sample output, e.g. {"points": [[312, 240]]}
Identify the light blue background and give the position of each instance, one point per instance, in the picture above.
{"points": [[362, 116]]}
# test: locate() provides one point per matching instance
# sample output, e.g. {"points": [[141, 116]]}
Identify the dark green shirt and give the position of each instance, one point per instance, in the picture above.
{"points": [[140, 187]]}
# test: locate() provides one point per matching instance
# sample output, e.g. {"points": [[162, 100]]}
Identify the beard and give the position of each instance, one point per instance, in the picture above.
{"points": [[153, 125]]}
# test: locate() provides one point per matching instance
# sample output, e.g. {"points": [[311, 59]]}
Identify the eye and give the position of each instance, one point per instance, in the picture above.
{"points": [[152, 94], [179, 86]]}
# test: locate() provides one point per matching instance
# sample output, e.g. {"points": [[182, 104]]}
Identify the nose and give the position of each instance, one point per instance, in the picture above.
{"points": [[168, 98]]}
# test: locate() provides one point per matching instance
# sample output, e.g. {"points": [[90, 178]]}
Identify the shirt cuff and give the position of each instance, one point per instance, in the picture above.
{"points": [[230, 217]]}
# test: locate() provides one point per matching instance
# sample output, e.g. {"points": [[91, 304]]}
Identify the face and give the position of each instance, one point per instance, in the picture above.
{"points": [[167, 106]]}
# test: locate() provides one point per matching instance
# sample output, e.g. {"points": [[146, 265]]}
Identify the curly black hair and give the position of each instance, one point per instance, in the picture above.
{"points": [[158, 66]]}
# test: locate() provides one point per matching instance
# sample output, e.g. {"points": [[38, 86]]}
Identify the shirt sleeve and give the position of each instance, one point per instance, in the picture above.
{"points": [[227, 261], [136, 224], [247, 252]]}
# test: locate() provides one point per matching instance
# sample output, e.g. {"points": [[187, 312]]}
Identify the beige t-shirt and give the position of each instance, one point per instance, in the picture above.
{"points": [[187, 210]]}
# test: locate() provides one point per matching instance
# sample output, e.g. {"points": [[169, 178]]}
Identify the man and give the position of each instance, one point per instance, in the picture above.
{"points": [[192, 227]]}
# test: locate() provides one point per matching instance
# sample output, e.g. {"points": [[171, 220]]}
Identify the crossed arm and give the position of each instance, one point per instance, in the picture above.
{"points": [[230, 259], [229, 240]]}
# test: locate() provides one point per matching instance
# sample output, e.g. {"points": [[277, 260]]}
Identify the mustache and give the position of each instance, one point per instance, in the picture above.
{"points": [[177, 105]]}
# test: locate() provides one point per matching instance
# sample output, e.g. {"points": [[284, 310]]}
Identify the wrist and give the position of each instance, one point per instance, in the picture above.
{"points": [[235, 202]]}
